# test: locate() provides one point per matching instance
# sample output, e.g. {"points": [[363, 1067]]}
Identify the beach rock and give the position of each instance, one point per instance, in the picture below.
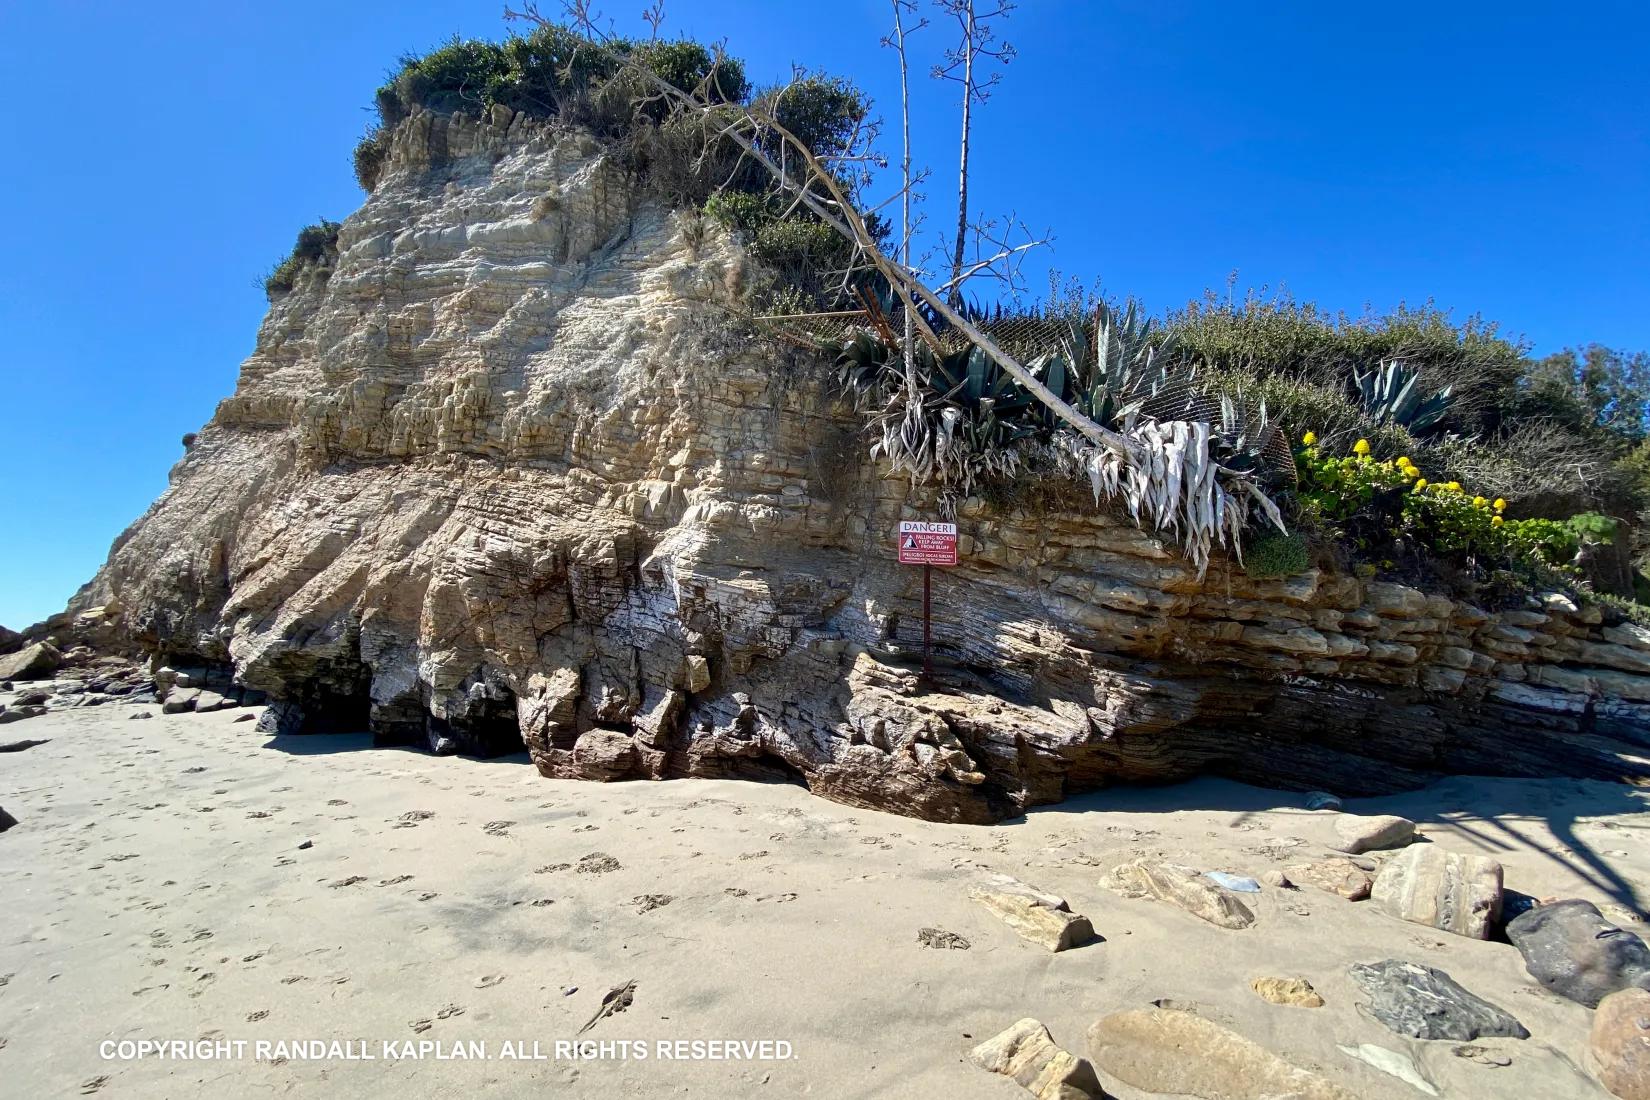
{"points": [[1619, 1046], [1392, 1063], [6, 820], [1366, 834], [34, 662], [941, 939], [208, 701], [1287, 991], [1027, 1053], [1182, 887], [1276, 878], [1573, 951], [179, 700], [1039, 918], [32, 699], [1426, 1003], [605, 755], [138, 715], [18, 714], [1430, 885], [1338, 876], [1163, 1050]]}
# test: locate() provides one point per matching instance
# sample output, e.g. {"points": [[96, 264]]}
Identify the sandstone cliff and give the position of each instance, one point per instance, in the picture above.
{"points": [[512, 470]]}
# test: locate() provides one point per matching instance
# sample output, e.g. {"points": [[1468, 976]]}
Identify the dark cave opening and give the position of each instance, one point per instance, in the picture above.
{"points": [[490, 727]]}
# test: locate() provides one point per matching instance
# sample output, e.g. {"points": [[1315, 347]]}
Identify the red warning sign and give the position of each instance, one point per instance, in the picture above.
{"points": [[922, 543]]}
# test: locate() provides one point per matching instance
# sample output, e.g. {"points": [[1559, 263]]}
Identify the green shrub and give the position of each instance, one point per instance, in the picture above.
{"points": [[1274, 555], [370, 152], [316, 247]]}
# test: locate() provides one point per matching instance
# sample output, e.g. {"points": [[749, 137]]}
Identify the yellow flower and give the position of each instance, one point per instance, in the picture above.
{"points": [[1420, 483], [1453, 486], [1500, 505], [1309, 438], [1361, 447], [1497, 521], [1402, 461], [1479, 502]]}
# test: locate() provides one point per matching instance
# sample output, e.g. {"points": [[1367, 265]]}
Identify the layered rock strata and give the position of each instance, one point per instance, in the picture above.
{"points": [[514, 472]]}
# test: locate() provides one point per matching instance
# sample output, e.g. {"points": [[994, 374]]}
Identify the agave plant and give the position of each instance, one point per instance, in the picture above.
{"points": [[1391, 394]]}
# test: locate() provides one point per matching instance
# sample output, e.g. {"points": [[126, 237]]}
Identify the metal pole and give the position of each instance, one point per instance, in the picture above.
{"points": [[927, 622]]}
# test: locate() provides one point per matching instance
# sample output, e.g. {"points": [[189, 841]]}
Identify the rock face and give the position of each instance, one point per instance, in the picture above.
{"points": [[512, 473], [1572, 950], [1027, 1053], [1429, 885], [1619, 1045], [1163, 1050], [1182, 887], [1426, 1003]]}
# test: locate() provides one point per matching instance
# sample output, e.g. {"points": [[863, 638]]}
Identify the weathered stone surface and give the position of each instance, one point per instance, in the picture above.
{"points": [[1287, 991], [1163, 1050], [208, 701], [1027, 1053], [1573, 951], [180, 699], [1429, 885], [1039, 918], [1180, 886], [34, 662], [1426, 1003], [1619, 1045], [1393, 1063], [513, 464], [1365, 834]]}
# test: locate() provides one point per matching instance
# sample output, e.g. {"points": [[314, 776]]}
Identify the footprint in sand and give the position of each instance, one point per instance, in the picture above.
{"points": [[646, 903], [549, 868], [497, 828], [254, 1017], [542, 902], [427, 895], [351, 881], [487, 981], [89, 1087], [396, 881], [597, 863], [449, 1011], [421, 1025], [294, 979], [258, 814], [336, 802]]}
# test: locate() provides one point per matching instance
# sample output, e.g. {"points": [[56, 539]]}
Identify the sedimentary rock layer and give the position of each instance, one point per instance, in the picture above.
{"points": [[514, 471]]}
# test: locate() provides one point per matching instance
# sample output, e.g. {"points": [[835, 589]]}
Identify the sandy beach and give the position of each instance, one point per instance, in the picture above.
{"points": [[187, 878]]}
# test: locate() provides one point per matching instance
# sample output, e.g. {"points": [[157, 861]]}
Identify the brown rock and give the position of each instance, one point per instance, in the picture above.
{"points": [[1161, 1050], [1287, 991], [1367, 834], [1041, 919], [605, 755], [35, 662], [1338, 876], [1619, 1046], [1429, 885], [1182, 887], [1027, 1053]]}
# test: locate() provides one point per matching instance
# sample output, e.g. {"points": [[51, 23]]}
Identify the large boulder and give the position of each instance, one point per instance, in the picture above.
{"points": [[35, 662], [1619, 1046], [1027, 1053], [1356, 834], [1182, 887], [1426, 1003], [1430, 885], [1573, 951], [1182, 1054]]}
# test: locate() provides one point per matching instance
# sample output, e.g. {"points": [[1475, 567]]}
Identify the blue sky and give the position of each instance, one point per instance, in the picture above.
{"points": [[160, 157]]}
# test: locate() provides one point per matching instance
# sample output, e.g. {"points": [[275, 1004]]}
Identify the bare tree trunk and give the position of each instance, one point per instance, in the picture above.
{"points": [[911, 379], [956, 296]]}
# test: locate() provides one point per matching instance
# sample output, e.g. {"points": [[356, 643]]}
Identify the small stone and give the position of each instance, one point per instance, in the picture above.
{"points": [[1287, 991], [1164, 1051], [1619, 1045], [1338, 876], [140, 714], [1423, 1002], [1573, 951], [1038, 918], [941, 939], [1182, 887], [1027, 1053], [306, 844], [1366, 834], [1430, 885]]}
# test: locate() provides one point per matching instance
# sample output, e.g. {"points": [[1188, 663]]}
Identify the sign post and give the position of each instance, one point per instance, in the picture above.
{"points": [[927, 544]]}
